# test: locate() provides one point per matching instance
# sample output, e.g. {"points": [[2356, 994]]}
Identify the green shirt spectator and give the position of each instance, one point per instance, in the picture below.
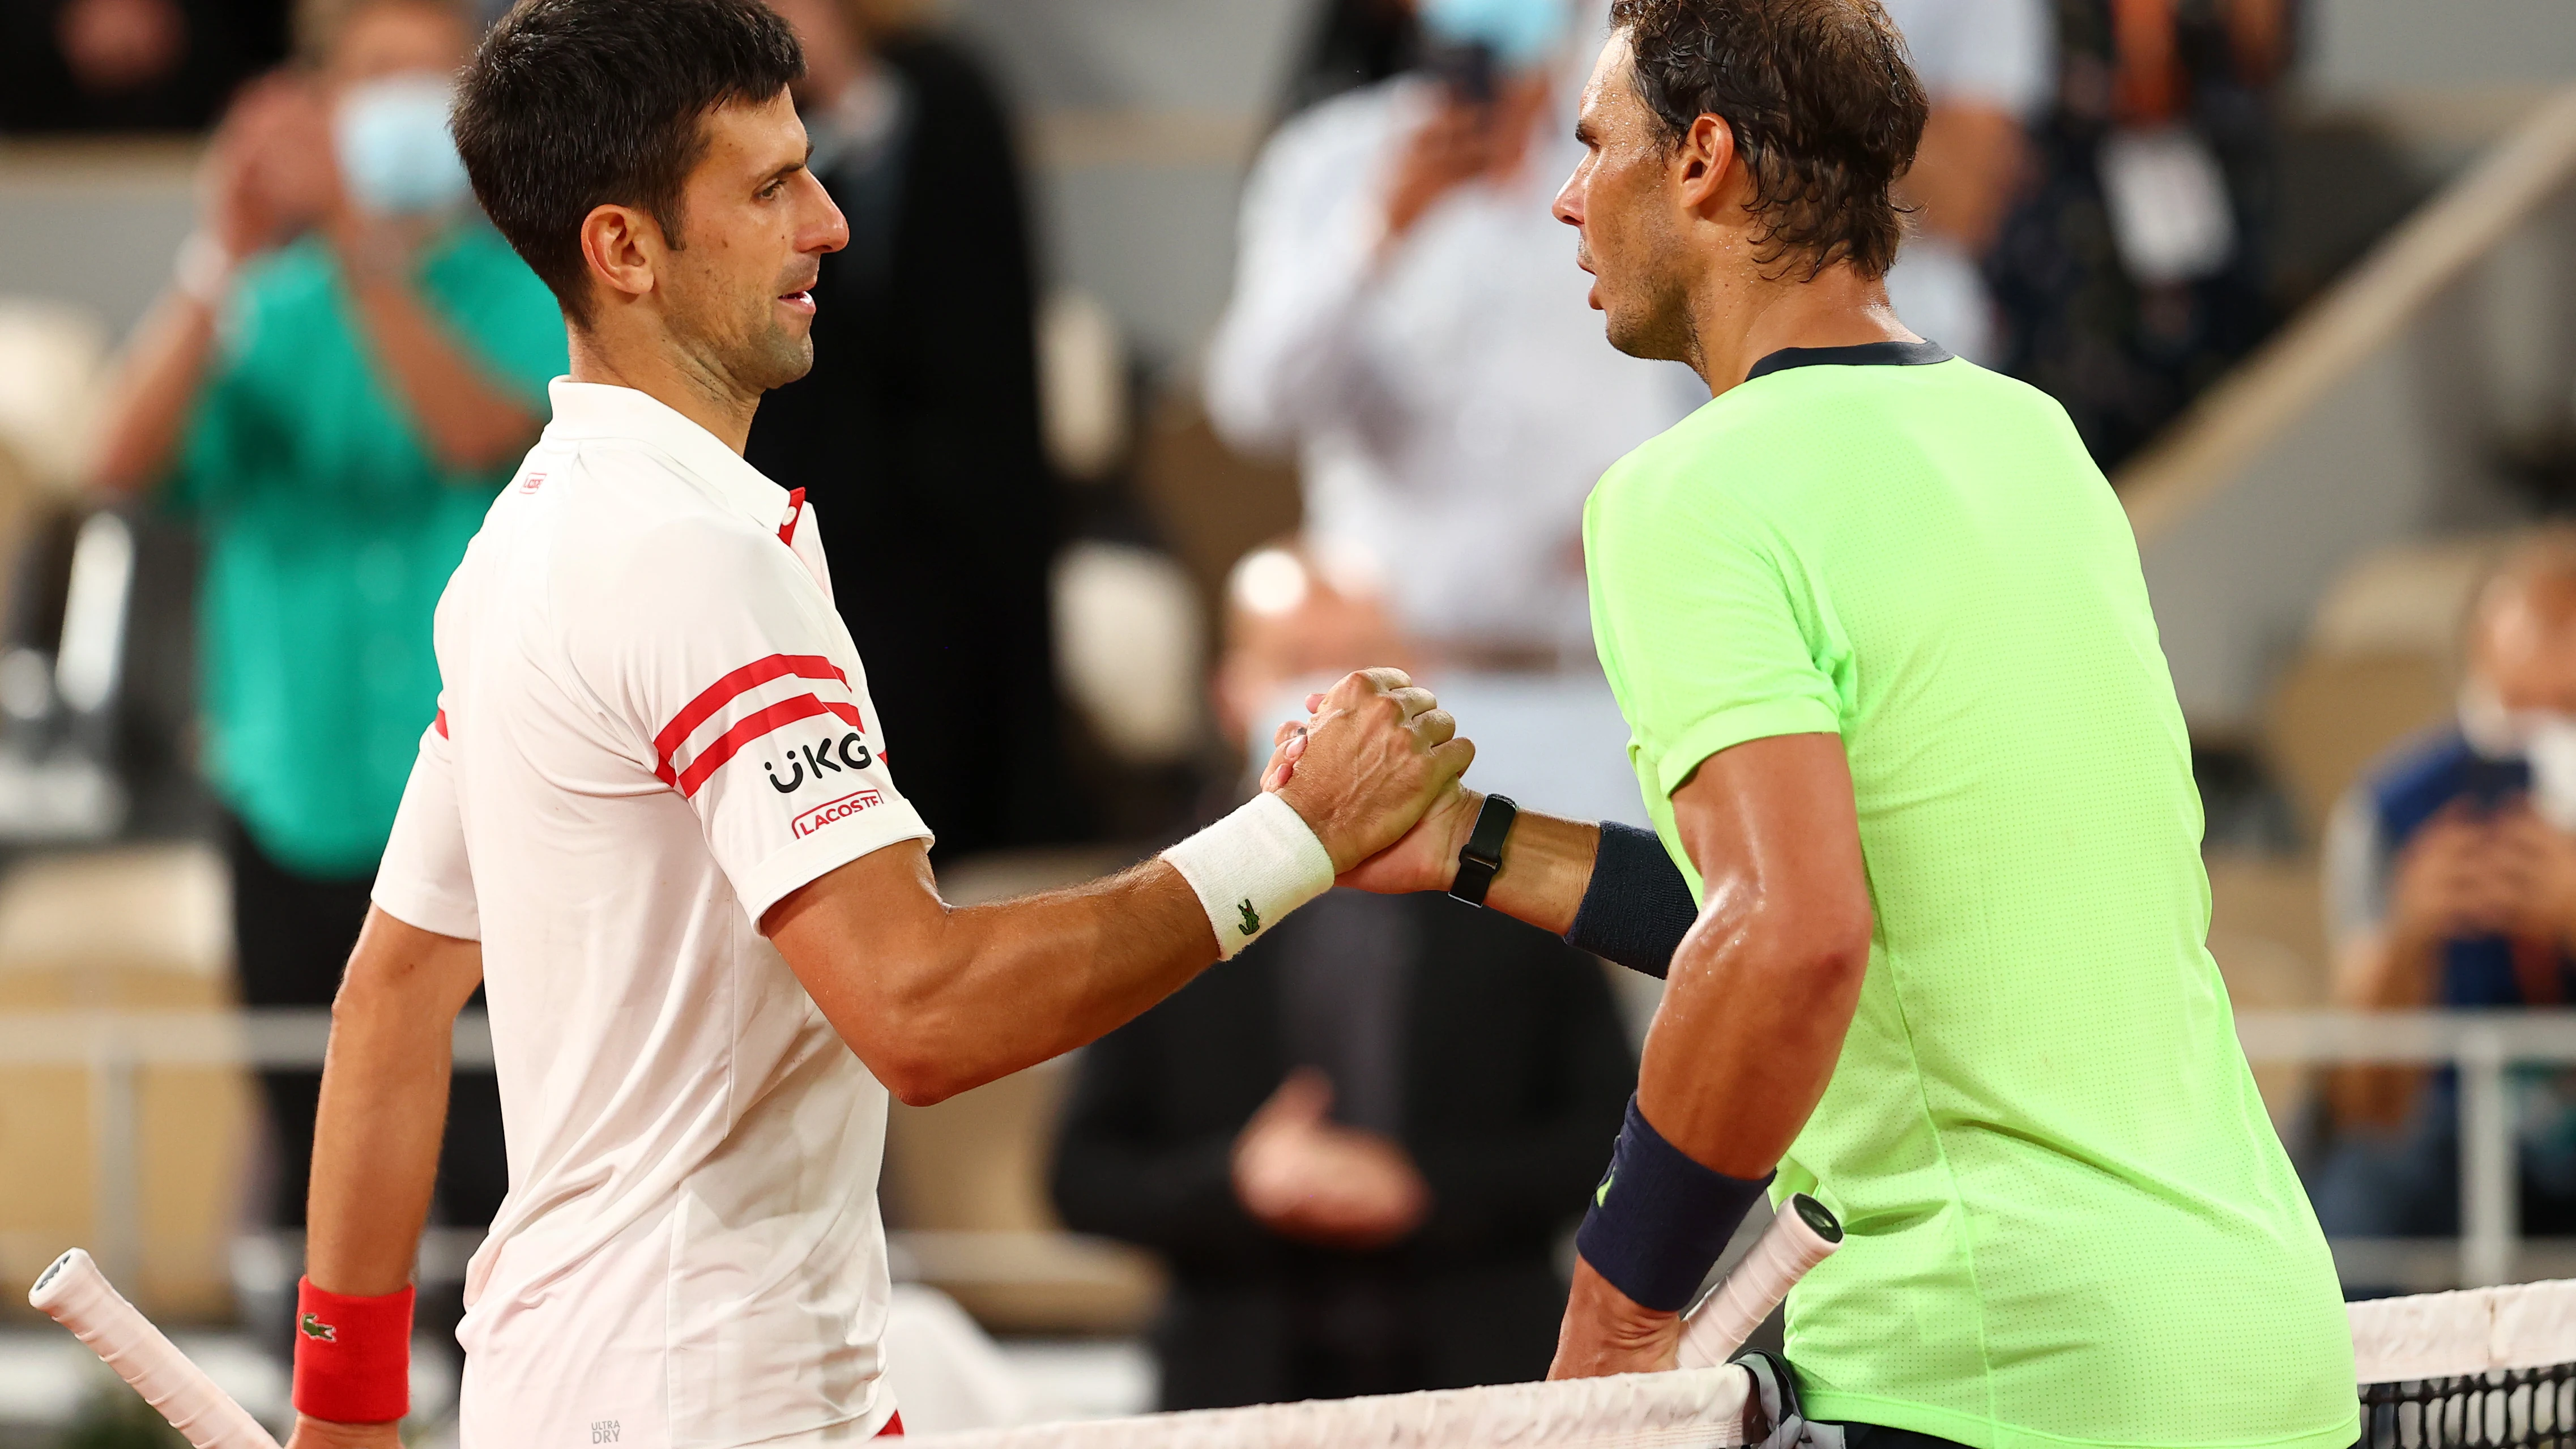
{"points": [[346, 368], [330, 528]]}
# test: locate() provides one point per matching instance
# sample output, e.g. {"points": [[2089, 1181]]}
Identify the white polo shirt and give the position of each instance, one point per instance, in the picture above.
{"points": [[652, 726]]}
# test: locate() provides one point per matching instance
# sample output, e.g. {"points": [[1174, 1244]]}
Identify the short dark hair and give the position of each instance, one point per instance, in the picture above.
{"points": [[576, 104], [1822, 99]]}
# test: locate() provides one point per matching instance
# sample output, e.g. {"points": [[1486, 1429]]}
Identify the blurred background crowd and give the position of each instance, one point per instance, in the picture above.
{"points": [[1187, 352]]}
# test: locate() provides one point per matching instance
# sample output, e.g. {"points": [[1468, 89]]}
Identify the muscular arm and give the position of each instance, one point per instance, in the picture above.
{"points": [[384, 1103], [1761, 994], [1608, 889], [937, 998], [384, 1109]]}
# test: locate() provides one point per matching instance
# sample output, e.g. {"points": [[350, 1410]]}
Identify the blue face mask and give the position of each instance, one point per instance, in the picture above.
{"points": [[1520, 33], [396, 156]]}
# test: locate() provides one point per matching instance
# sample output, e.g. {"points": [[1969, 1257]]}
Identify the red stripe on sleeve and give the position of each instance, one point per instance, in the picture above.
{"points": [[725, 746], [724, 691], [795, 512], [440, 724]]}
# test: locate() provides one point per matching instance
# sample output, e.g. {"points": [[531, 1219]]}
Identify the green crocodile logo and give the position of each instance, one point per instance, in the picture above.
{"points": [[315, 1328], [1251, 918]]}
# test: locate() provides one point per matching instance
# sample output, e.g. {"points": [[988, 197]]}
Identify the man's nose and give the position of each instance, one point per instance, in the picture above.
{"points": [[832, 231]]}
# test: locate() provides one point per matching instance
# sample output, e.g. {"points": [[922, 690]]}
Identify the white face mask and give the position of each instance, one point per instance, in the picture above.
{"points": [[2543, 738], [396, 156]]}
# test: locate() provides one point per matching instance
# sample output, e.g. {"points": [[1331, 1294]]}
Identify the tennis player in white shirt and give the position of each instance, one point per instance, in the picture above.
{"points": [[654, 820]]}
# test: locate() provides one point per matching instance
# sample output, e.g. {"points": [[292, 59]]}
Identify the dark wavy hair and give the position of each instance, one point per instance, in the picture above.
{"points": [[576, 104], [1822, 99]]}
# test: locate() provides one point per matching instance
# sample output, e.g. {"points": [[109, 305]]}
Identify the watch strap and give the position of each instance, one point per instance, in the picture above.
{"points": [[1482, 855]]}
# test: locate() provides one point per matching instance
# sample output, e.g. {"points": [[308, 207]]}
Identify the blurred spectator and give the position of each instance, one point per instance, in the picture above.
{"points": [[1407, 317], [130, 65], [1291, 618], [1985, 65], [2135, 272], [1354, 43], [2451, 881], [346, 370], [1357, 1146], [917, 435]]}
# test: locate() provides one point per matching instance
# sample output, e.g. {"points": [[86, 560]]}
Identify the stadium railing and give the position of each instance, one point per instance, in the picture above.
{"points": [[115, 1047]]}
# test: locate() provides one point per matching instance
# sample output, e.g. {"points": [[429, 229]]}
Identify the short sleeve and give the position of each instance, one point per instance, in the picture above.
{"points": [[741, 681], [424, 880], [1702, 628]]}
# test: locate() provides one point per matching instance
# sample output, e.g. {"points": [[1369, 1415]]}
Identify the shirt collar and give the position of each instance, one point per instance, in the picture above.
{"points": [[598, 410], [1864, 354]]}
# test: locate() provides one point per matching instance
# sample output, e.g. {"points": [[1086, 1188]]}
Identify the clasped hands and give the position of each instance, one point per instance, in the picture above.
{"points": [[1374, 770]]}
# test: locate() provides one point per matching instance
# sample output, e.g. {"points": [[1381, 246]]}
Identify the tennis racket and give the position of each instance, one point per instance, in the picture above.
{"points": [[1726, 1315], [76, 1295]]}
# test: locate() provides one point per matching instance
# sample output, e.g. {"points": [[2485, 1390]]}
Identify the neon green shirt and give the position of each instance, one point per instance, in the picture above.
{"points": [[330, 532], [2070, 1221]]}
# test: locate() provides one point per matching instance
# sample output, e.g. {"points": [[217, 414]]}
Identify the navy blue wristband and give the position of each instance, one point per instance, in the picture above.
{"points": [[1659, 1220], [1637, 907]]}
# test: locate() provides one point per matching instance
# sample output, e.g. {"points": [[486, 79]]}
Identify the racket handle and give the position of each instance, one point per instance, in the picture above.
{"points": [[1798, 1239], [78, 1296]]}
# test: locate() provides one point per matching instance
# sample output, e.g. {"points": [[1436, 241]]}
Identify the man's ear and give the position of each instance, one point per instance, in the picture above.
{"points": [[1704, 164], [624, 246]]}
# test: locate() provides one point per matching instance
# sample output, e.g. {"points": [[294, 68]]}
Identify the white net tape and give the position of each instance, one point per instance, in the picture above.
{"points": [[2432, 1336], [1685, 1409], [2447, 1335]]}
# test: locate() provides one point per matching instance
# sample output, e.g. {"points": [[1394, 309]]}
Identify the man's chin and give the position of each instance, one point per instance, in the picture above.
{"points": [[784, 360]]}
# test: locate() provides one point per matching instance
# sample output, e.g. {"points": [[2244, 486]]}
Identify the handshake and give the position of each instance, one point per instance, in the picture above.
{"points": [[1374, 772]]}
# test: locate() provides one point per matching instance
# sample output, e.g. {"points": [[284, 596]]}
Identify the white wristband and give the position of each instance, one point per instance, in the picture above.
{"points": [[1253, 867]]}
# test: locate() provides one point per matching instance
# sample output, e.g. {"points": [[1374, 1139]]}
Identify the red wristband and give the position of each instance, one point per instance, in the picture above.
{"points": [[352, 1356]]}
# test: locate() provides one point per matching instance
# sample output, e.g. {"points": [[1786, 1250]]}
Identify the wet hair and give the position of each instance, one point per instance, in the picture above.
{"points": [[1822, 98], [571, 105]]}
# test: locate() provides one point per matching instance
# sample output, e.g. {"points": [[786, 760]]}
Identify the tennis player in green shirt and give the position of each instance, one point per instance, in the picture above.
{"points": [[1925, 872]]}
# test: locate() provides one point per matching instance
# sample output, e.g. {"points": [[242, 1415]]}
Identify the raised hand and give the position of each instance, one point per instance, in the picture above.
{"points": [[1378, 754]]}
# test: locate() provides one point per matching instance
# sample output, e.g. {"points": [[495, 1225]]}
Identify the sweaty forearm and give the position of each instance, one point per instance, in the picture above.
{"points": [[1547, 865], [997, 988], [384, 1105], [1609, 889], [1751, 1025]]}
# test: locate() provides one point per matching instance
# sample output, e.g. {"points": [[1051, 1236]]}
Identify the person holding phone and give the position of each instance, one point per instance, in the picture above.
{"points": [[1405, 323], [2450, 876]]}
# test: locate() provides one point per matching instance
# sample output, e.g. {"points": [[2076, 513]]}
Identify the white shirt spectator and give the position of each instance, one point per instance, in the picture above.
{"points": [[1999, 53], [652, 726], [1451, 407]]}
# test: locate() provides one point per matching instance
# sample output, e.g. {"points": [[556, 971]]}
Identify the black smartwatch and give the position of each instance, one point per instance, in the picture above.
{"points": [[1482, 855]]}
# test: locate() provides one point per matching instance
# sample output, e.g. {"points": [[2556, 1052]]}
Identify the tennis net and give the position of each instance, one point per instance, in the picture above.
{"points": [[2492, 1368]]}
